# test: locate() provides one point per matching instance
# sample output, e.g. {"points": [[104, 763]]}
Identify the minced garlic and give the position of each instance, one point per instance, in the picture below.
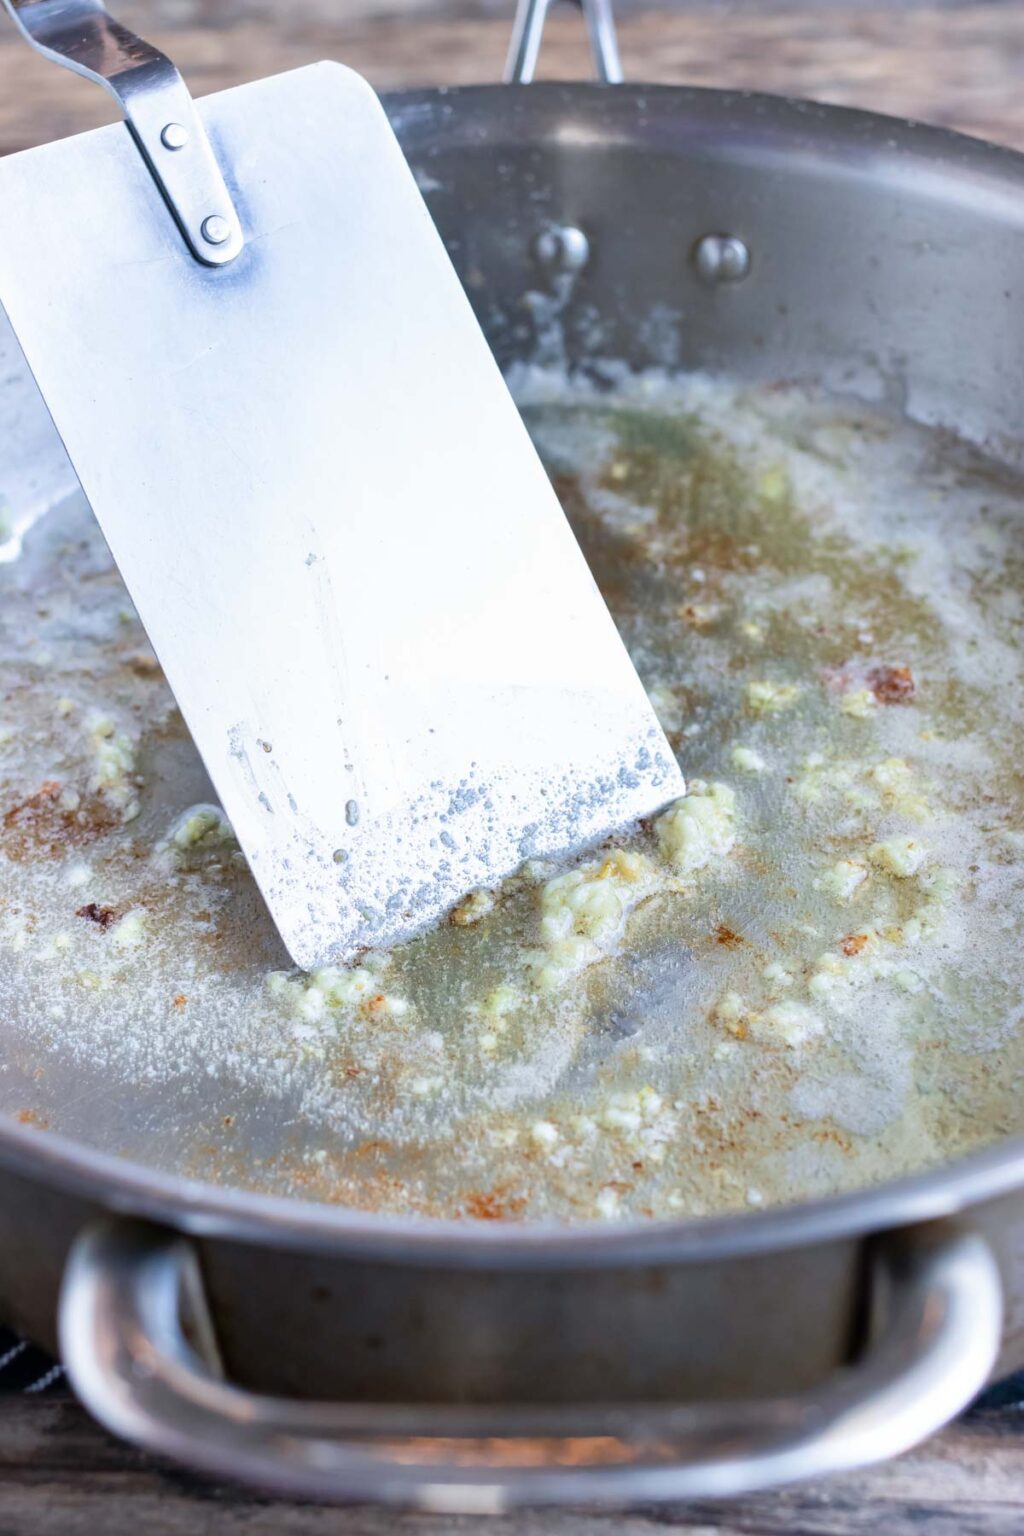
{"points": [[899, 788], [900, 856], [543, 1134], [494, 1013], [891, 785], [843, 880], [666, 707], [607, 1202], [698, 828], [205, 824], [338, 989], [860, 704], [583, 913], [591, 901], [746, 759], [426, 1087], [130, 932], [774, 483], [732, 1012], [473, 907], [764, 698], [113, 766], [791, 1023], [777, 975]]}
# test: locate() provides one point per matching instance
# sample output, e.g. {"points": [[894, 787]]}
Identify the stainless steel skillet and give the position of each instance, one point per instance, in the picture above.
{"points": [[469, 1368]]}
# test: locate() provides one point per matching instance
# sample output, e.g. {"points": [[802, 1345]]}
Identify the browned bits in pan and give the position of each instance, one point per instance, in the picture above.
{"points": [[103, 916], [493, 1205], [892, 685], [42, 826], [726, 936]]}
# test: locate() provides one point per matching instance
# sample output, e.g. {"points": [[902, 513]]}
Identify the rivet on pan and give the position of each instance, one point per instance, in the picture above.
{"points": [[215, 229], [562, 247], [174, 136], [721, 259]]}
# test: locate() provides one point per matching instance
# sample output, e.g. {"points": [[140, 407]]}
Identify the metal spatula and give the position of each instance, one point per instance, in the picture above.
{"points": [[363, 592]]}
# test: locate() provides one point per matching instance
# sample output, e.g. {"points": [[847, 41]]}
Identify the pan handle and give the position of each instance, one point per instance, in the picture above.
{"points": [[528, 31], [128, 1286]]}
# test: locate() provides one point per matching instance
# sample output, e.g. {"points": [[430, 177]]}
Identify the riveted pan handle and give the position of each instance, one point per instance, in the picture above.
{"points": [[528, 31], [127, 1286]]}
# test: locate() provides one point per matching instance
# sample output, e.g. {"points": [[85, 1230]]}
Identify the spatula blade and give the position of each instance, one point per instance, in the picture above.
{"points": [[368, 603]]}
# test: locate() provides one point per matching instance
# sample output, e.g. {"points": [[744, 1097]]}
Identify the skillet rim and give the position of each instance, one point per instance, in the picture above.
{"points": [[207, 1210]]}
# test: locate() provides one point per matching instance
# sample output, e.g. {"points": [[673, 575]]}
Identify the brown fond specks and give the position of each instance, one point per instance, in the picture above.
{"points": [[101, 916], [494, 1205], [42, 826], [892, 685]]}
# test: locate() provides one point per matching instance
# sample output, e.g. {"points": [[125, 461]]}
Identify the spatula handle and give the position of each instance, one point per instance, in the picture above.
{"points": [[157, 107]]}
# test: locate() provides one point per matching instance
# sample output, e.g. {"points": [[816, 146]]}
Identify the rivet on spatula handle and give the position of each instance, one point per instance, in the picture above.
{"points": [[157, 107]]}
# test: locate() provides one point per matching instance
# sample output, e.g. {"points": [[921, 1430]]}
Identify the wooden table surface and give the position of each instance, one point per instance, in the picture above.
{"points": [[957, 63], [954, 62], [61, 1476]]}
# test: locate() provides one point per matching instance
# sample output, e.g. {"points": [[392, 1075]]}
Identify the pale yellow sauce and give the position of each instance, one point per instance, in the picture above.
{"points": [[804, 976]]}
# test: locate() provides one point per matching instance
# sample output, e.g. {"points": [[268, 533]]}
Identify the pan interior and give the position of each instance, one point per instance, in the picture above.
{"points": [[805, 978]]}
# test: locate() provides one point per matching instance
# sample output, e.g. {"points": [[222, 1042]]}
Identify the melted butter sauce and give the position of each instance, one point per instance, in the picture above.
{"points": [[826, 607]]}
